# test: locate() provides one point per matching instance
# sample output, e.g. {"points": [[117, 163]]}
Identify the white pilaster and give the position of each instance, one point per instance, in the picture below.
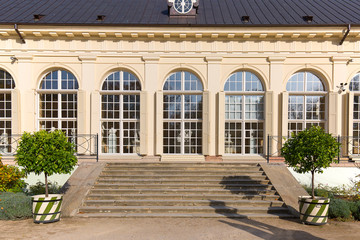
{"points": [[149, 113], [213, 80]]}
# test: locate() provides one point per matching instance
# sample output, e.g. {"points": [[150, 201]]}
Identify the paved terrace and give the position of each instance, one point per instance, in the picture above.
{"points": [[176, 229]]}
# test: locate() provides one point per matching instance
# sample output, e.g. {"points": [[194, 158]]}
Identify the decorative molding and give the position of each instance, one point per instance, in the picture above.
{"points": [[167, 32], [54, 34], [5, 34], [70, 34], [102, 34]]}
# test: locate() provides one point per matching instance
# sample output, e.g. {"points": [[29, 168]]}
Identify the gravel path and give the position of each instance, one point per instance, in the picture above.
{"points": [[177, 228]]}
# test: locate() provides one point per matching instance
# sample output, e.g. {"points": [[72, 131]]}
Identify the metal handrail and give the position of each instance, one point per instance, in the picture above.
{"points": [[349, 146], [85, 144]]}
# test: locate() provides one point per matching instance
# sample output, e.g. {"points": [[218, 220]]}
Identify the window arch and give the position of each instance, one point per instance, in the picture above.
{"points": [[182, 114], [355, 88], [7, 84], [244, 114], [307, 102], [57, 97], [120, 113]]}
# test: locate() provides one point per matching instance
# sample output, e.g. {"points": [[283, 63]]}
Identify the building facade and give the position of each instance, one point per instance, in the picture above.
{"points": [[180, 89]]}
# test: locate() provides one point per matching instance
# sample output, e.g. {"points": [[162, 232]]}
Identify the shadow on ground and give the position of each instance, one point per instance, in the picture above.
{"points": [[257, 228]]}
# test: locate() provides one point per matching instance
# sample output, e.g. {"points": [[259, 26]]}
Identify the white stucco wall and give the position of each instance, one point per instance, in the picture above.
{"points": [[333, 176], [32, 179]]}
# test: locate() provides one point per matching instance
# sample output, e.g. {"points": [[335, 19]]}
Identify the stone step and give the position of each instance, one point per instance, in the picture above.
{"points": [[254, 176], [183, 191], [179, 164], [177, 196], [184, 168], [185, 215], [226, 202], [181, 209], [179, 172], [183, 181], [200, 187]]}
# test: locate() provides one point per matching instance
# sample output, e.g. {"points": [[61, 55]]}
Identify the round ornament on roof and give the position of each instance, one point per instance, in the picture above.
{"points": [[183, 6]]}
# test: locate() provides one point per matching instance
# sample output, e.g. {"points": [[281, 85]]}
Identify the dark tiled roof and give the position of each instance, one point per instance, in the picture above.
{"points": [[154, 12]]}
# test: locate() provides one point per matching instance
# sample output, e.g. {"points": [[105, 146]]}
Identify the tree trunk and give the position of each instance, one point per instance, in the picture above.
{"points": [[46, 186], [312, 185]]}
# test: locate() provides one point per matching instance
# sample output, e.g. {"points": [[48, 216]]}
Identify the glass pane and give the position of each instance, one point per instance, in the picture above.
{"points": [[355, 83], [252, 82], [296, 82], [172, 137], [313, 83], [110, 141], [233, 138], [192, 138], [6, 80], [68, 80], [233, 107], [254, 106], [234, 82], [254, 138]]}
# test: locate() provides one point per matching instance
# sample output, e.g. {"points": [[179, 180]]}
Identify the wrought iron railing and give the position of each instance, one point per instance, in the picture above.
{"points": [[349, 146], [85, 144]]}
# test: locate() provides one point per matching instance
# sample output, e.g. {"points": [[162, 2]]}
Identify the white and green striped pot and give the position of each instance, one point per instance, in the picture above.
{"points": [[46, 209], [314, 211]]}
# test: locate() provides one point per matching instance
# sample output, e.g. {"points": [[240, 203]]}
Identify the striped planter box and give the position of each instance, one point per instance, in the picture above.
{"points": [[314, 211], [46, 209]]}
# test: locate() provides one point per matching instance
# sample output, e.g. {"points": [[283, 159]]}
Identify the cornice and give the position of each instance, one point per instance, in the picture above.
{"points": [[182, 33]]}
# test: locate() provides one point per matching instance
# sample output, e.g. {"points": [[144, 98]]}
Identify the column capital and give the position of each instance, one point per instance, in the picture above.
{"points": [[340, 59], [151, 59], [87, 58], [276, 59], [214, 59], [24, 58]]}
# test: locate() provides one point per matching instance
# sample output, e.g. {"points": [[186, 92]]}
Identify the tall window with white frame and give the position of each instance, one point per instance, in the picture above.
{"points": [[6, 85], [120, 114], [307, 102], [182, 108], [57, 97], [244, 114], [355, 88]]}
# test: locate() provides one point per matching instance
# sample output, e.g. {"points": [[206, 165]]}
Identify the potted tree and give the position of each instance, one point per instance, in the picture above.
{"points": [[48, 153], [311, 150]]}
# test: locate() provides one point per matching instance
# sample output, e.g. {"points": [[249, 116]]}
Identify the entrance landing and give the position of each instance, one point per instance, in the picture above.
{"points": [[163, 189]]}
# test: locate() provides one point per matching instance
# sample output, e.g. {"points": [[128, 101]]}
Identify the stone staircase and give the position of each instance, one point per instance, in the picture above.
{"points": [[183, 190]]}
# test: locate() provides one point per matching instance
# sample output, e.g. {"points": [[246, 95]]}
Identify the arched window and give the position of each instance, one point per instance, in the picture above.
{"points": [[6, 85], [307, 102], [355, 88], [182, 114], [57, 95], [244, 114], [120, 114]]}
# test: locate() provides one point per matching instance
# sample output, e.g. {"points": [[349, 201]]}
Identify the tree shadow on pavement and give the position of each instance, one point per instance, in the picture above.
{"points": [[256, 228]]}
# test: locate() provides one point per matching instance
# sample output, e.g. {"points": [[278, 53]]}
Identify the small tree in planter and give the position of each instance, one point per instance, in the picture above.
{"points": [[311, 150], [49, 153]]}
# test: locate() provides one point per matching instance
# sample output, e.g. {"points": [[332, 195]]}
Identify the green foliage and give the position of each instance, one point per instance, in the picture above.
{"points": [[310, 150], [321, 191], [46, 152], [14, 206], [355, 209], [39, 188], [339, 209], [357, 188], [11, 178]]}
